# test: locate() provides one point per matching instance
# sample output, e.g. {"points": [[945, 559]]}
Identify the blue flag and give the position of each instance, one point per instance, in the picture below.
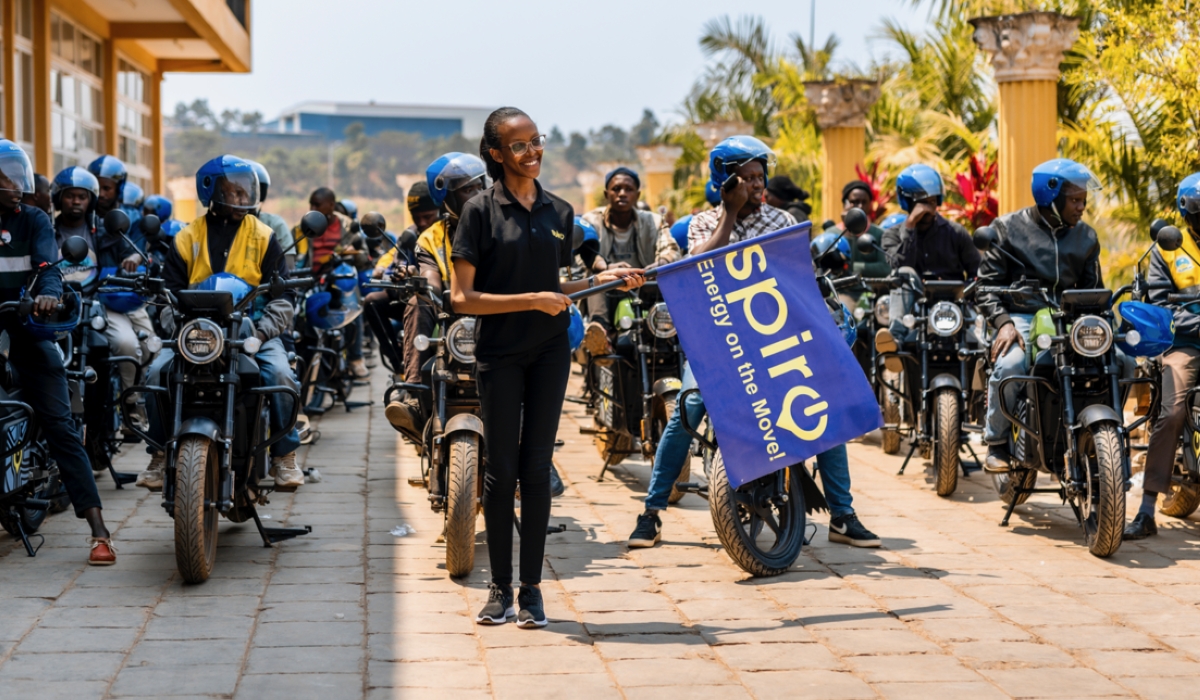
{"points": [[778, 379]]}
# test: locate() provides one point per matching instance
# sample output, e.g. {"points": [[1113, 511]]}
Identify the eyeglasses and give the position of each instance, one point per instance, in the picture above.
{"points": [[538, 143]]}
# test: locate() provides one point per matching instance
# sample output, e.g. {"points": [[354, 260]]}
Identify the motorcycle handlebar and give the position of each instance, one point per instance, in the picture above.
{"points": [[847, 282], [1182, 298]]}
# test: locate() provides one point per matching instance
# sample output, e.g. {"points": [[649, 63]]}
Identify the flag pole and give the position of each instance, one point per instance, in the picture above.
{"points": [[584, 293]]}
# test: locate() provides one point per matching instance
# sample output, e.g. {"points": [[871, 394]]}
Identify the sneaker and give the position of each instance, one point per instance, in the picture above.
{"points": [[848, 530], [358, 369], [998, 461], [285, 471], [406, 416], [499, 608], [532, 613], [595, 339], [557, 487], [137, 415], [886, 343], [1143, 526], [152, 478], [648, 531]]}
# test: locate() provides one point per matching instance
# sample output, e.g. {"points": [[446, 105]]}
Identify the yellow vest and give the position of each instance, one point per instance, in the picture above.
{"points": [[1184, 263], [435, 242], [245, 254]]}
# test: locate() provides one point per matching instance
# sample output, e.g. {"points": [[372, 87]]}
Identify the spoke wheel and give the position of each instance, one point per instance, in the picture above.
{"points": [[197, 485], [760, 525]]}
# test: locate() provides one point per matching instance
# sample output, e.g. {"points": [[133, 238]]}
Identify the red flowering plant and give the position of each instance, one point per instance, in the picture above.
{"points": [[879, 198], [977, 189]]}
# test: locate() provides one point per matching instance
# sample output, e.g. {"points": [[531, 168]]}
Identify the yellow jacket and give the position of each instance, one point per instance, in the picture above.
{"points": [[245, 254]]}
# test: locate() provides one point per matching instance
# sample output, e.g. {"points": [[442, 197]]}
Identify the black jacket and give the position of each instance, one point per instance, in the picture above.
{"points": [[1068, 259], [31, 226], [944, 251], [111, 251]]}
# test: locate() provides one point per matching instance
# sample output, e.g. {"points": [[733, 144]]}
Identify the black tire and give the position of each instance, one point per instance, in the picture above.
{"points": [[736, 515], [1006, 485], [197, 481], [947, 424], [1103, 503], [462, 503], [1183, 498], [14, 478], [891, 416]]}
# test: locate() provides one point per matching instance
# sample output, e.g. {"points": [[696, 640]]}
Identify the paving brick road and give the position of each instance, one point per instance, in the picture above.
{"points": [[952, 606]]}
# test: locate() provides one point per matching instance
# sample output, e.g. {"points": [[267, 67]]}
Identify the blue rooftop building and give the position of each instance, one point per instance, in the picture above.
{"points": [[330, 119]]}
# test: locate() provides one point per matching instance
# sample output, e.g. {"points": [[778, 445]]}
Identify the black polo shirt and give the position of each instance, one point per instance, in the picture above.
{"points": [[514, 251]]}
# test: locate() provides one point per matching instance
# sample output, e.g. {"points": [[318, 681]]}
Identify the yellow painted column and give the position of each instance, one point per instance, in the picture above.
{"points": [[158, 165], [43, 151], [658, 171], [1025, 50], [841, 109]]}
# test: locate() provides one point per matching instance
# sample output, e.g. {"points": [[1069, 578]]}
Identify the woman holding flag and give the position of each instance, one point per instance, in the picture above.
{"points": [[511, 241]]}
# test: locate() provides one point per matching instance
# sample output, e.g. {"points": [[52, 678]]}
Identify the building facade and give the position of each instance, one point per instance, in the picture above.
{"points": [[81, 78], [330, 119]]}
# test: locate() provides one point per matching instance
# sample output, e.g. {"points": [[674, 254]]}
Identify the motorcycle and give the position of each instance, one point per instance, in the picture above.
{"points": [[1068, 420], [942, 385], [873, 313], [30, 486], [636, 386], [215, 413], [334, 304]]}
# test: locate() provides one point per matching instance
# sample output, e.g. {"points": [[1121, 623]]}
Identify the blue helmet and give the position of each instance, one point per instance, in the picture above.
{"points": [[575, 329], [171, 228], [59, 324], [829, 255], [712, 193], [122, 301], [451, 172], [893, 220], [159, 206], [679, 231], [264, 179], [132, 196], [15, 168], [917, 182], [1188, 196], [74, 178], [1155, 326], [734, 152], [588, 231], [238, 174], [848, 326], [349, 208], [1049, 178], [113, 169]]}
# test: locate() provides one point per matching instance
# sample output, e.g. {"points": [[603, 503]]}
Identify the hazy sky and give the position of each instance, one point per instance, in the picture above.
{"points": [[569, 63]]}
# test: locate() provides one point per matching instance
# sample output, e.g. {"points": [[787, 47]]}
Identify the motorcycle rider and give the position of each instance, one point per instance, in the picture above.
{"points": [[784, 194], [283, 236], [1057, 249], [113, 177], [748, 160], [228, 238], [158, 205], [1181, 364], [928, 244], [74, 193], [40, 197], [629, 237], [857, 194], [28, 245]]}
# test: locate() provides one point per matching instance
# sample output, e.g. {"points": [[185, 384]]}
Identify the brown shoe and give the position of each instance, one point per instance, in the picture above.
{"points": [[406, 417], [595, 339], [886, 343], [103, 551]]}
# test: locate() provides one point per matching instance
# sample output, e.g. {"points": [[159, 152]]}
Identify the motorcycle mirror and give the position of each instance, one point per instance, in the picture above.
{"points": [[116, 222], [1169, 238], [856, 220], [373, 225], [355, 227], [313, 224], [408, 240], [865, 244], [984, 238], [75, 249], [1156, 226], [151, 227]]}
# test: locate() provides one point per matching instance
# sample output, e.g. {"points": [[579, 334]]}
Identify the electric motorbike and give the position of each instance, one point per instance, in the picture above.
{"points": [[334, 303]]}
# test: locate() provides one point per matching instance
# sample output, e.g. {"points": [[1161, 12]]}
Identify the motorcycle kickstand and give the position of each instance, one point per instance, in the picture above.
{"points": [[608, 462], [904, 466], [351, 405], [24, 537], [120, 478], [271, 535], [550, 529], [1012, 504], [975, 457]]}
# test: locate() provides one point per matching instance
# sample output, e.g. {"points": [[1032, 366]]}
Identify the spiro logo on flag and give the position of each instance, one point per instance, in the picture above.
{"points": [[778, 380]]}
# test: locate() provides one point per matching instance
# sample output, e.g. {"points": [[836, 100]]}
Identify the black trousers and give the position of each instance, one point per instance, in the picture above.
{"points": [[43, 380], [521, 404]]}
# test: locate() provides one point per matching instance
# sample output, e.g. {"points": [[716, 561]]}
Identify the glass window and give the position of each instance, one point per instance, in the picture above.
{"points": [[25, 18], [77, 108], [136, 129], [25, 95]]}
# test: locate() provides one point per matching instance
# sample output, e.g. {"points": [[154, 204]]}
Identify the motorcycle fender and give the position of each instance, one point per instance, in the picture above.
{"points": [[201, 426], [666, 385], [1097, 413], [945, 380], [464, 421]]}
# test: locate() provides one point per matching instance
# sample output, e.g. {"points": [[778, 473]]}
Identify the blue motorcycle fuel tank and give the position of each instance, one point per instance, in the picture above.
{"points": [[338, 305], [1155, 327], [116, 299]]}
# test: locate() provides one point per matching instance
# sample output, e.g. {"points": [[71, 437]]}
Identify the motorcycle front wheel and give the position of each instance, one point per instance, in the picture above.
{"points": [[890, 405], [16, 475], [947, 422], [1102, 505], [197, 489], [761, 529], [462, 503]]}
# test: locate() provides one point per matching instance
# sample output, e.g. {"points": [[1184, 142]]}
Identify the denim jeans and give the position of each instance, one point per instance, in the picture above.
{"points": [[674, 449], [273, 370]]}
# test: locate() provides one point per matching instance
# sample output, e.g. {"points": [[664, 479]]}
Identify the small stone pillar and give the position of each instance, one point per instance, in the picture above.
{"points": [[841, 108]]}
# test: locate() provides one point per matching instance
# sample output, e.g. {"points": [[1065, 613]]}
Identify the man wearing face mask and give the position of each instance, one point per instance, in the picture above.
{"points": [[1056, 249], [926, 243], [628, 237]]}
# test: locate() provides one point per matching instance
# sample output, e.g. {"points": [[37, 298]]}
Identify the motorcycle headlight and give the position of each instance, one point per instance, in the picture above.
{"points": [[201, 341], [945, 318], [154, 344], [859, 313], [460, 340], [1091, 336], [883, 310], [659, 321], [99, 322]]}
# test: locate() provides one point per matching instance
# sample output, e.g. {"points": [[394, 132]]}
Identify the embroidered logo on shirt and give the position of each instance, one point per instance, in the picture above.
{"points": [[1182, 264], [559, 236]]}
